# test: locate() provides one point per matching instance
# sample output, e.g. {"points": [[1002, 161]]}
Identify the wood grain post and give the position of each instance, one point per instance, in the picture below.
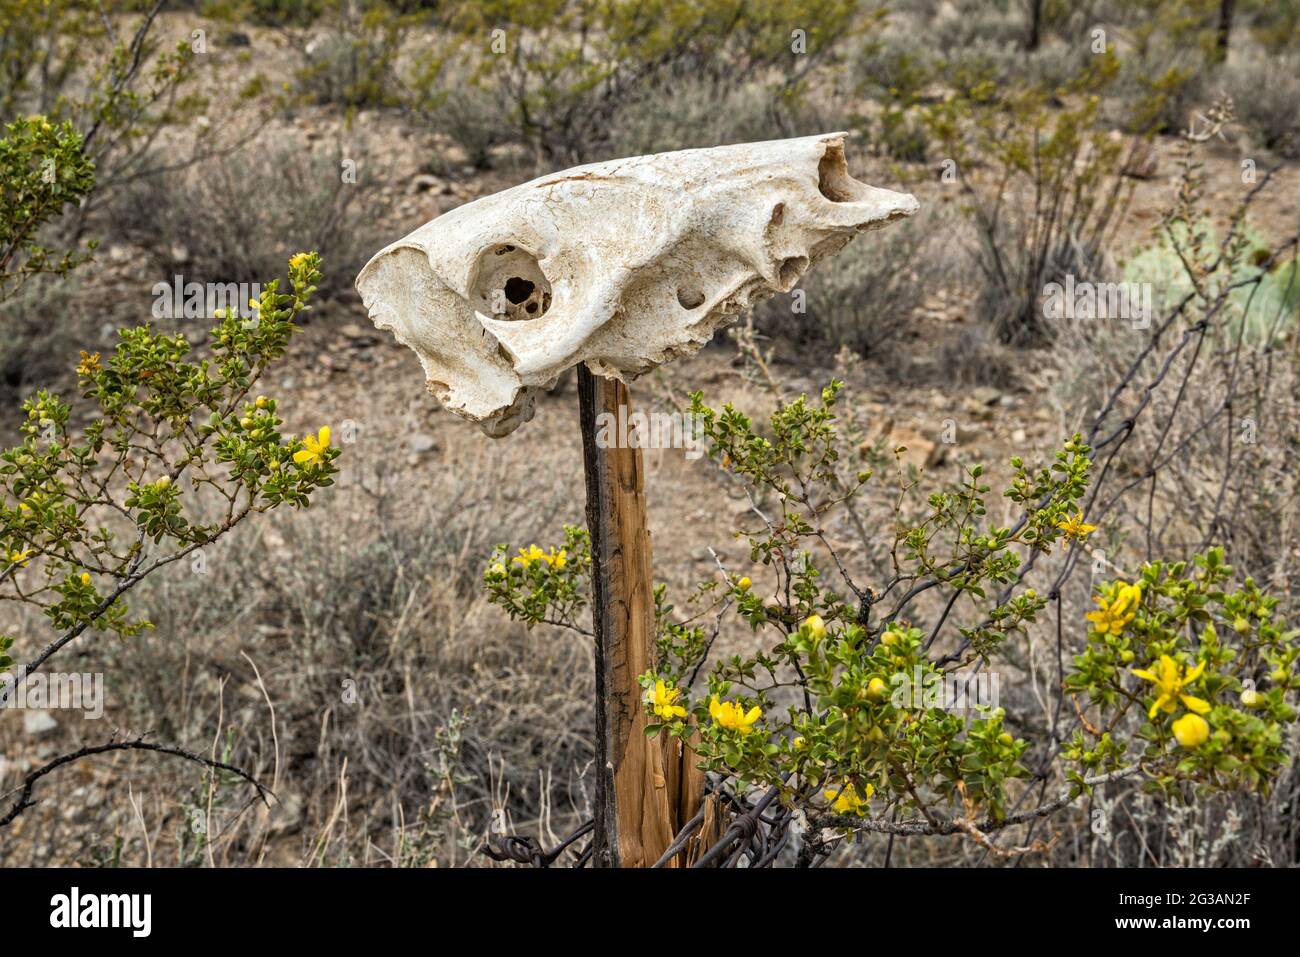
{"points": [[645, 789]]}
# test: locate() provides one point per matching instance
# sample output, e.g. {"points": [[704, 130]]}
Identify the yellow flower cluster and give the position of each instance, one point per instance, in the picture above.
{"points": [[313, 450], [89, 363], [531, 555], [848, 801], [663, 701], [732, 716], [1075, 528], [1170, 680], [1114, 614]]}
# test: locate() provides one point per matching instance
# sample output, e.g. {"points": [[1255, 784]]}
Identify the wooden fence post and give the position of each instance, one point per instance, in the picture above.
{"points": [[645, 789]]}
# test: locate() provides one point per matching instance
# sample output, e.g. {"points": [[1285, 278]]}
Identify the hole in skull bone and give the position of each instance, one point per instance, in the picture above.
{"points": [[792, 269], [690, 298], [518, 289], [508, 284], [833, 179]]}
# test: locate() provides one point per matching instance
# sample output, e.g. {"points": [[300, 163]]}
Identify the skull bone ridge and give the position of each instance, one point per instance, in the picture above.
{"points": [[622, 265]]}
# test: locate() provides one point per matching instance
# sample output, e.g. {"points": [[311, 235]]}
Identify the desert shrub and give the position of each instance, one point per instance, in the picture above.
{"points": [[957, 26], [1266, 98], [1229, 424], [43, 168], [281, 13], [687, 113], [34, 347], [1049, 201], [353, 61], [1236, 296], [471, 120], [93, 506], [393, 685], [1276, 26], [867, 301], [895, 72], [975, 356], [233, 215], [561, 74], [1170, 55], [104, 69], [842, 716]]}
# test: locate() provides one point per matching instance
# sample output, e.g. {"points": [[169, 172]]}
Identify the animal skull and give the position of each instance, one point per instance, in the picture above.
{"points": [[622, 265]]}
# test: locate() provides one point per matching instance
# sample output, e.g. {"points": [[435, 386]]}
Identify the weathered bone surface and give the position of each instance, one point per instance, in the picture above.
{"points": [[623, 265]]}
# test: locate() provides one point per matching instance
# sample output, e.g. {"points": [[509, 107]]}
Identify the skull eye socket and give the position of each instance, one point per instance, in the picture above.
{"points": [[508, 284]]}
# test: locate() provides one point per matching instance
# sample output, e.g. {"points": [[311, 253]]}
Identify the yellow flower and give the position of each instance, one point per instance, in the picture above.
{"points": [[663, 701], [876, 689], [297, 260], [733, 716], [1191, 730], [1170, 680], [498, 569], [85, 578], [1075, 528], [89, 363], [557, 560], [1250, 698], [799, 743], [847, 800], [527, 557], [20, 558], [314, 447], [1114, 614], [744, 584], [890, 638], [816, 627]]}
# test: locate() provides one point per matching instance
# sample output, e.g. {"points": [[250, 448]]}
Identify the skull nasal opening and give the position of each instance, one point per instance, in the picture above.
{"points": [[833, 179]]}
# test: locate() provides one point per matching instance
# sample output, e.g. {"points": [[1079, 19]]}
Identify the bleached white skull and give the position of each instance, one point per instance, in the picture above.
{"points": [[622, 265]]}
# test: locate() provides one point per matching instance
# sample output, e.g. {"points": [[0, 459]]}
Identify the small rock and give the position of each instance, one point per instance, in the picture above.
{"points": [[425, 183], [352, 331], [920, 451], [1019, 437], [1144, 163], [422, 442], [37, 723]]}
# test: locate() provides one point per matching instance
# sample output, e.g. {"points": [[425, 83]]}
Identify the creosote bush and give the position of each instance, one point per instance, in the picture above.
{"points": [[92, 506], [847, 710]]}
